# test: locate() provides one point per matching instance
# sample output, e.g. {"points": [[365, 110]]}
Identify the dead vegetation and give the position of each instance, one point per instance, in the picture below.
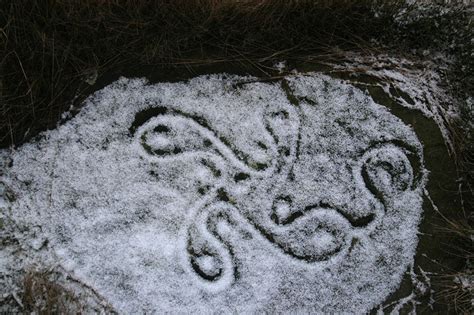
{"points": [[48, 48], [455, 288], [43, 295]]}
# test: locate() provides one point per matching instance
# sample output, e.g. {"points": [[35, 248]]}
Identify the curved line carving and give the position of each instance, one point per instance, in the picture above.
{"points": [[210, 254], [319, 232], [402, 166], [166, 125]]}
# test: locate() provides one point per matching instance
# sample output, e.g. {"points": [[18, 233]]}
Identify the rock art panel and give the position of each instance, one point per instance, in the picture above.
{"points": [[210, 195]]}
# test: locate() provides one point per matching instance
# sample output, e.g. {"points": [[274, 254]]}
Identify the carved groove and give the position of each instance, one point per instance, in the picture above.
{"points": [[210, 255]]}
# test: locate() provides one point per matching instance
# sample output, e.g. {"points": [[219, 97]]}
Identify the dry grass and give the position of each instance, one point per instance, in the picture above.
{"points": [[456, 288], [44, 296], [47, 48], [456, 291]]}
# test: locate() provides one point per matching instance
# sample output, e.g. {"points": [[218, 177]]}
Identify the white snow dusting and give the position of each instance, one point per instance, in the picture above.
{"points": [[213, 196], [413, 85]]}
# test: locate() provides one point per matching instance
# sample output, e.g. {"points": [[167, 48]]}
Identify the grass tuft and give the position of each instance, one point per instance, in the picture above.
{"points": [[45, 296]]}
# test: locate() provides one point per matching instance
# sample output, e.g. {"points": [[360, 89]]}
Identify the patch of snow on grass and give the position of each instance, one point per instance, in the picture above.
{"points": [[207, 196], [413, 85]]}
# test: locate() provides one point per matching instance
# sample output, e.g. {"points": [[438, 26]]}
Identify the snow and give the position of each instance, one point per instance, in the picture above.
{"points": [[227, 197], [415, 85]]}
